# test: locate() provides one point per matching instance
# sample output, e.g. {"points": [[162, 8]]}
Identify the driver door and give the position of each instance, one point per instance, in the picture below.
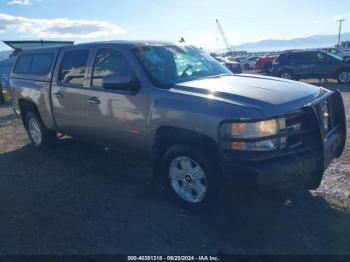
{"points": [[114, 117]]}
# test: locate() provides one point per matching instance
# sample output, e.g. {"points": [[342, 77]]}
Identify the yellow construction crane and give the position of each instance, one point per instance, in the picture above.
{"points": [[226, 40]]}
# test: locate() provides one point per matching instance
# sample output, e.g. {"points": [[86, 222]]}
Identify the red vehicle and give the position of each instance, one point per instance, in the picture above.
{"points": [[264, 63]]}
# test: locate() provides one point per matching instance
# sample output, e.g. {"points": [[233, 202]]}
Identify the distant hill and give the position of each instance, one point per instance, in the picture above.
{"points": [[307, 42], [4, 54]]}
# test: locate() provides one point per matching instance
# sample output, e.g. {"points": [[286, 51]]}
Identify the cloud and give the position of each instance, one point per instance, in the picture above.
{"points": [[20, 2], [58, 27]]}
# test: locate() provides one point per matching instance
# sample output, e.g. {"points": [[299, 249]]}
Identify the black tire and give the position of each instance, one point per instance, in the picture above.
{"points": [[47, 137], [283, 74], [340, 78], [247, 67], [212, 174]]}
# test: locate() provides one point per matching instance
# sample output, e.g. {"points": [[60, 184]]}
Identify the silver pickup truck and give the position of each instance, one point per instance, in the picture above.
{"points": [[201, 126]]}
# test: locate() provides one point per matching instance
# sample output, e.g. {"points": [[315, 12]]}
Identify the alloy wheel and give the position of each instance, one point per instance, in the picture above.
{"points": [[188, 179]]}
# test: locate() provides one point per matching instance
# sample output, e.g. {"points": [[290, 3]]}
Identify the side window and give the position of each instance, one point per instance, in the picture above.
{"points": [[109, 62], [73, 67], [23, 64], [320, 57], [41, 64]]}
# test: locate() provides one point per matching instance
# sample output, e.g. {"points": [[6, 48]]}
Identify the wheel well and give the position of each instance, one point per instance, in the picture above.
{"points": [[343, 69], [25, 107], [286, 70], [167, 136]]}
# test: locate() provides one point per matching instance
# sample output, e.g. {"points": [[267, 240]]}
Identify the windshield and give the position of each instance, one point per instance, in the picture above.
{"points": [[170, 64], [335, 57]]}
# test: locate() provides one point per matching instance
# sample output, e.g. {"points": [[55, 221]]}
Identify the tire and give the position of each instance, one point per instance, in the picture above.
{"points": [[285, 74], [247, 67], [344, 76], [197, 187], [39, 135]]}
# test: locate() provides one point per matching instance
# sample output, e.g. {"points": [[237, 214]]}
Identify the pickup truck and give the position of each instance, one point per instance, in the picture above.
{"points": [[202, 127]]}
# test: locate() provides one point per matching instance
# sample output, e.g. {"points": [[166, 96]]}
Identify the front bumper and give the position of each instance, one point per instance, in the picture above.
{"points": [[296, 166]]}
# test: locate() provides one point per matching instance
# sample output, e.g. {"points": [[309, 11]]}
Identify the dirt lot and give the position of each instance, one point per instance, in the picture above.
{"points": [[82, 199]]}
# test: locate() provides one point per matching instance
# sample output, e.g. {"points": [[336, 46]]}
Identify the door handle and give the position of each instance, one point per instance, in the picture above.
{"points": [[94, 101], [58, 95]]}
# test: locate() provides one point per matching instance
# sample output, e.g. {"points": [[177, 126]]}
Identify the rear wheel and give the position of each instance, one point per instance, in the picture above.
{"points": [[344, 76], [189, 176], [39, 135], [286, 75]]}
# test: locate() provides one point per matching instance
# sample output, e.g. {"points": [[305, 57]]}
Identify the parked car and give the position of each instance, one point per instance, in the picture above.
{"points": [[248, 63], [343, 53], [5, 71], [264, 63], [233, 66], [311, 64], [200, 126]]}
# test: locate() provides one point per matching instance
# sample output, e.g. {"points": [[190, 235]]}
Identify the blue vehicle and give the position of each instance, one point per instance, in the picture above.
{"points": [[311, 64], [5, 71]]}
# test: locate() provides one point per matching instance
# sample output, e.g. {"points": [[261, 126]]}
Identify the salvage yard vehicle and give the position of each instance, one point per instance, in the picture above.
{"points": [[311, 64], [264, 63], [201, 126], [247, 63], [233, 66]]}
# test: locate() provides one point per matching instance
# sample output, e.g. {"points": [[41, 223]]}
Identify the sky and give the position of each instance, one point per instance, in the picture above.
{"points": [[100, 20]]}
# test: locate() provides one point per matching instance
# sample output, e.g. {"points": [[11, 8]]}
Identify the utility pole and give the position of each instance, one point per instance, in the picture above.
{"points": [[341, 21]]}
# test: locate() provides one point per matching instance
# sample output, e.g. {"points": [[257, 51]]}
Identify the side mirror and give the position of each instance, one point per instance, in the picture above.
{"points": [[117, 82]]}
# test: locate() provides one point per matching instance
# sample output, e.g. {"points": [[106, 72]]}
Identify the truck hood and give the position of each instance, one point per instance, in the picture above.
{"points": [[271, 96]]}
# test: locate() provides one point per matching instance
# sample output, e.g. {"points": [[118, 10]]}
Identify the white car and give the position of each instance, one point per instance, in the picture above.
{"points": [[248, 63]]}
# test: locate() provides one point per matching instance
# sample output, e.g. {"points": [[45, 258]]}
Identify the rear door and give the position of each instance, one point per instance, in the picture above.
{"points": [[305, 65], [68, 91]]}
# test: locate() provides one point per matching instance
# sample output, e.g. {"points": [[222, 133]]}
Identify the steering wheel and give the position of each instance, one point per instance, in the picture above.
{"points": [[184, 73]]}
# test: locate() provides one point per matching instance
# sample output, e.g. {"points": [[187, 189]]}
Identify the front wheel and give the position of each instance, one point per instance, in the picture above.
{"points": [[189, 176], [344, 76], [39, 135]]}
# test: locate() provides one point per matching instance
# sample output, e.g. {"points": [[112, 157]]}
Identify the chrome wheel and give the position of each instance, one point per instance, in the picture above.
{"points": [[35, 131], [188, 179], [344, 77], [286, 75]]}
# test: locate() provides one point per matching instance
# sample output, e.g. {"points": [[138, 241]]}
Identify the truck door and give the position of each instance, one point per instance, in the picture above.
{"points": [[68, 94], [114, 117]]}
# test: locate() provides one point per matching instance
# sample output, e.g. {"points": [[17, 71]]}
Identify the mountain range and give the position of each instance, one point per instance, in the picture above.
{"points": [[314, 41]]}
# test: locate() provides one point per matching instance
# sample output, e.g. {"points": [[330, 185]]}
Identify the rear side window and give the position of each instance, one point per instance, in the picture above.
{"points": [[41, 64], [36, 64], [299, 57], [23, 64], [73, 67]]}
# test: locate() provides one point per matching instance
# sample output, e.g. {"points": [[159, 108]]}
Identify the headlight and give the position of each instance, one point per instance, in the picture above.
{"points": [[239, 135]]}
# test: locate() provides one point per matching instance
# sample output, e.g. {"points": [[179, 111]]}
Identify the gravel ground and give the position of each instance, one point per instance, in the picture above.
{"points": [[81, 199]]}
